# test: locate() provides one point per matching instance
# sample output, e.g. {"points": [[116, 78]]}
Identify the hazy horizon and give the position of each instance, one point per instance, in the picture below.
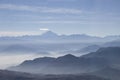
{"points": [[19, 34]]}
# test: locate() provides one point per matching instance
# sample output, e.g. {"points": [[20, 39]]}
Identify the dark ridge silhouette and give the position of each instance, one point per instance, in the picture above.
{"points": [[70, 64]]}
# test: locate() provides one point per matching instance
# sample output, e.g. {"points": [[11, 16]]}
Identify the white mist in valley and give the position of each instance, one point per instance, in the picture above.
{"points": [[15, 59]]}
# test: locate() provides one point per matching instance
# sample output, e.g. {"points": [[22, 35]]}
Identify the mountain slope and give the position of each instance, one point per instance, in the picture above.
{"points": [[91, 48], [70, 64], [110, 54]]}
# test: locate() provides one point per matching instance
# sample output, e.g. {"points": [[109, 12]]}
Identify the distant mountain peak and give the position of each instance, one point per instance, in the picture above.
{"points": [[50, 33]]}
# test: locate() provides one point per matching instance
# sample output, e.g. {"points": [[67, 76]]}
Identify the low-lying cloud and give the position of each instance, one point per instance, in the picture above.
{"points": [[18, 33]]}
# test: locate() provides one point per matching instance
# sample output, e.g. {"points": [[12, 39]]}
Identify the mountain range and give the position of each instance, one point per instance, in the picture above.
{"points": [[99, 60], [51, 37], [51, 42], [96, 63]]}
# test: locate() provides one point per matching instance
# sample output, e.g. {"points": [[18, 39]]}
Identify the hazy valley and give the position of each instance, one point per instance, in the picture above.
{"points": [[50, 44], [55, 57]]}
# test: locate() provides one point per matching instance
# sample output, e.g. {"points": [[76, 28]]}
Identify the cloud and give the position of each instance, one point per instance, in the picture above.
{"points": [[51, 22], [18, 33], [73, 22], [44, 29], [63, 0], [40, 9]]}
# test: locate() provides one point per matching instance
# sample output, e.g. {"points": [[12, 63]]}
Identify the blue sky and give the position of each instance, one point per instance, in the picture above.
{"points": [[30, 17]]}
